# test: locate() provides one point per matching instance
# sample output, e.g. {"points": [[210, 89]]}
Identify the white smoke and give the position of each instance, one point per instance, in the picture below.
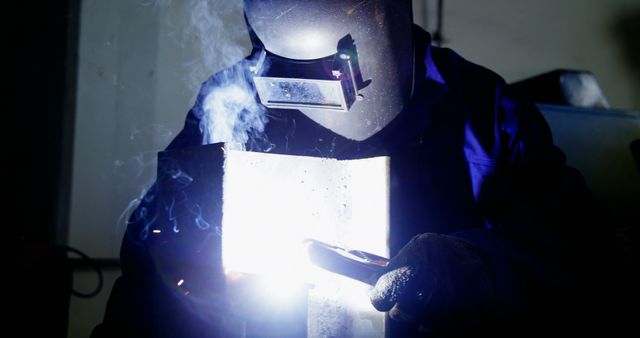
{"points": [[218, 35], [230, 111]]}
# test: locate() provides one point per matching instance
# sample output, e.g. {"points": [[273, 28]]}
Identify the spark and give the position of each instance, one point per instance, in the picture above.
{"points": [[359, 4], [286, 11]]}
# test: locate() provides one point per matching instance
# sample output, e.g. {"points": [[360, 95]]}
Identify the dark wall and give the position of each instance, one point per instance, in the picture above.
{"points": [[43, 44], [40, 39]]}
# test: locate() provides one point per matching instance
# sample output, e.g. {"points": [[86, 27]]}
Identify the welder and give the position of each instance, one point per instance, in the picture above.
{"points": [[491, 233]]}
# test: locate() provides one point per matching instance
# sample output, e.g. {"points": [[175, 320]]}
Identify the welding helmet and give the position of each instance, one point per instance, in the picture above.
{"points": [[346, 64]]}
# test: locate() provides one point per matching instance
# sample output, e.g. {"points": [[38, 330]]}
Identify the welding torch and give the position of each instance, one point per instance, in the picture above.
{"points": [[359, 265]]}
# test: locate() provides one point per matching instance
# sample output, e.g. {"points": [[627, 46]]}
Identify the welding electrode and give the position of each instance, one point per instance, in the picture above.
{"points": [[359, 265]]}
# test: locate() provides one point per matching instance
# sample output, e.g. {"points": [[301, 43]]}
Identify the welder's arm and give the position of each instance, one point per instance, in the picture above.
{"points": [[539, 215], [171, 253], [129, 311], [539, 219], [542, 224], [167, 239], [529, 196]]}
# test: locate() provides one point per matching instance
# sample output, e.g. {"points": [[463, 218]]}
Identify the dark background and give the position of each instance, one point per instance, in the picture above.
{"points": [[40, 40]]}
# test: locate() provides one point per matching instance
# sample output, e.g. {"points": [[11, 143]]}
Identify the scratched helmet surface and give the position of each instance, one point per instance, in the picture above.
{"points": [[374, 36]]}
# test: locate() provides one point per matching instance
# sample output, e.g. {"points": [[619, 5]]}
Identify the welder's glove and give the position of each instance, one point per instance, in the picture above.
{"points": [[435, 280]]}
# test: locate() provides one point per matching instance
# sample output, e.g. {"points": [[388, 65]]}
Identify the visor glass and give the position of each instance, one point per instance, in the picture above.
{"points": [[300, 93]]}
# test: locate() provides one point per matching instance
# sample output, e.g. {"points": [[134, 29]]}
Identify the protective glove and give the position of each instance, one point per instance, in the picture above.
{"points": [[436, 280]]}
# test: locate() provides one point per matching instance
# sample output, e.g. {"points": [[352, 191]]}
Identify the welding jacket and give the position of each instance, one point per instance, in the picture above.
{"points": [[467, 158]]}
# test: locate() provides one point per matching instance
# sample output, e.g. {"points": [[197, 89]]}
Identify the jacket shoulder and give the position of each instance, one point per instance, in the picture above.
{"points": [[461, 73]]}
